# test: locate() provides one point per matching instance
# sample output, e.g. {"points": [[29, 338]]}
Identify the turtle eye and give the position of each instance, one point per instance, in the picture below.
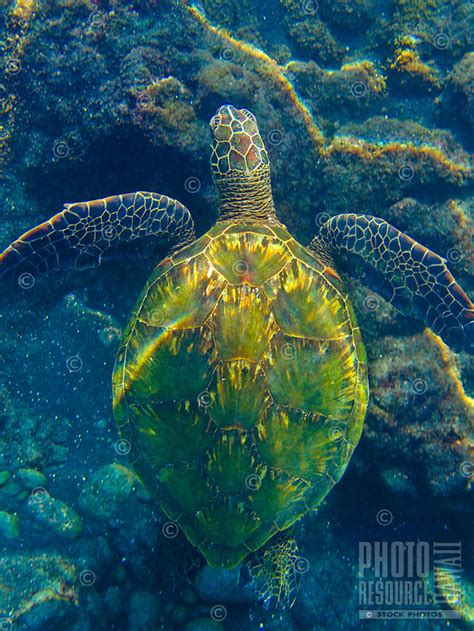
{"points": [[249, 114], [215, 122]]}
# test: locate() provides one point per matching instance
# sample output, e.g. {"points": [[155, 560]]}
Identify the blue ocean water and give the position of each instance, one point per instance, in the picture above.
{"points": [[364, 106]]}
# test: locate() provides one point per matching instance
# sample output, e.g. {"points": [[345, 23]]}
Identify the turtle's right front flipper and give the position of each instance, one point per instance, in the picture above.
{"points": [[407, 274], [79, 236]]}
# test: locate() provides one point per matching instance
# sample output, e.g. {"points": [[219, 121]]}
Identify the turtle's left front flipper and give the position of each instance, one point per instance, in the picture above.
{"points": [[82, 233], [411, 277]]}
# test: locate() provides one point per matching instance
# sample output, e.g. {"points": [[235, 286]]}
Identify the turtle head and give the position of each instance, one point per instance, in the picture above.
{"points": [[240, 164], [237, 145]]}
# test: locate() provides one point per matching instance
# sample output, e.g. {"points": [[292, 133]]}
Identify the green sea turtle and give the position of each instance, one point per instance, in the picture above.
{"points": [[241, 380]]}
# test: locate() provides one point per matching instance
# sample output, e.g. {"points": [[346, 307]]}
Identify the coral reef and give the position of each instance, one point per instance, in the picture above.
{"points": [[409, 72], [420, 417]]}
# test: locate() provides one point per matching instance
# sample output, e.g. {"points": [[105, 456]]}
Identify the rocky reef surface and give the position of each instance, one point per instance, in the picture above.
{"points": [[365, 106]]}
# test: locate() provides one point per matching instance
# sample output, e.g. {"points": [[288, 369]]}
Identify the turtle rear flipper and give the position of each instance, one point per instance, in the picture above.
{"points": [[80, 235], [408, 275], [275, 571]]}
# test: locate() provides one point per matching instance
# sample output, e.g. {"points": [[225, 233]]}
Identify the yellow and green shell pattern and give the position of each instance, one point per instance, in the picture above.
{"points": [[241, 385]]}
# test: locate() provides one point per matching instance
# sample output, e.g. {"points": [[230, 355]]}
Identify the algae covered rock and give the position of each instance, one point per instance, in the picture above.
{"points": [[37, 591], [9, 525], [144, 610], [31, 478], [377, 162], [54, 514], [215, 584], [458, 97], [106, 490], [203, 624], [409, 72], [420, 419], [4, 477]]}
